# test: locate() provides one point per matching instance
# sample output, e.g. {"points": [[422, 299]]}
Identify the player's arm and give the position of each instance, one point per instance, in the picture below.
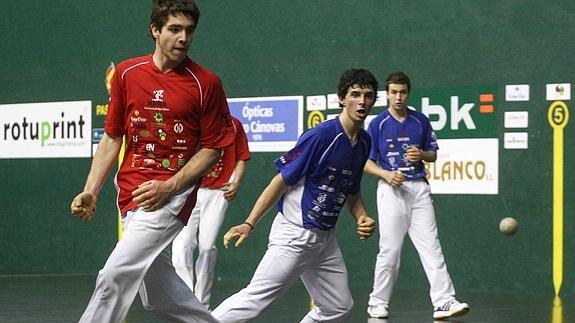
{"points": [[152, 194], [394, 178], [84, 204], [365, 224], [231, 187], [270, 195]]}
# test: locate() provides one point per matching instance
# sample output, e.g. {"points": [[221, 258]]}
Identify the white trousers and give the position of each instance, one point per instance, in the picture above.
{"points": [[314, 256], [142, 261], [408, 209], [201, 232]]}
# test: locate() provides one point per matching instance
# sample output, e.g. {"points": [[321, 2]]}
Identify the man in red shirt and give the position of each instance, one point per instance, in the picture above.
{"points": [[219, 186], [174, 117]]}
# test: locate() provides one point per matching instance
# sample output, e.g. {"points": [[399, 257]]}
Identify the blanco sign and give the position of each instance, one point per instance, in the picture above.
{"points": [[46, 130], [465, 166]]}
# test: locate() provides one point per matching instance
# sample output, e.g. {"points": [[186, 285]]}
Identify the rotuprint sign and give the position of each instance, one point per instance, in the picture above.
{"points": [[46, 130]]}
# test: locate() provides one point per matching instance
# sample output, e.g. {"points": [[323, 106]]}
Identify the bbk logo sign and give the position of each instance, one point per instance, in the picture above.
{"points": [[46, 130], [466, 124], [459, 113]]}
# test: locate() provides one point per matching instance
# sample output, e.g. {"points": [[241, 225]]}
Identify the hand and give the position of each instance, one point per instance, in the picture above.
{"points": [[152, 195], [414, 154], [365, 227], [230, 190], [84, 206], [241, 231], [395, 178]]}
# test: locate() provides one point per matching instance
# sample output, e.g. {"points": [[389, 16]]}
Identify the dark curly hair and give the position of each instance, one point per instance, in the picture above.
{"points": [[162, 9], [356, 76]]}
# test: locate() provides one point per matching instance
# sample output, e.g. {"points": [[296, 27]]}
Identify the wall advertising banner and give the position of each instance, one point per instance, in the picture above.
{"points": [[46, 130], [467, 126], [272, 124], [465, 166]]}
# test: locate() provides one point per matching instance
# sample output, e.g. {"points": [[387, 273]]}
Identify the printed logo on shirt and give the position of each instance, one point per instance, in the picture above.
{"points": [[146, 162], [327, 188], [289, 156], [216, 169], [166, 163], [179, 144], [159, 117], [144, 133], [136, 119], [158, 96], [161, 133], [392, 162]]}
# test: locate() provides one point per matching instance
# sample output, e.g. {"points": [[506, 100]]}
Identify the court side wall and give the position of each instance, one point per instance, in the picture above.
{"points": [[59, 50]]}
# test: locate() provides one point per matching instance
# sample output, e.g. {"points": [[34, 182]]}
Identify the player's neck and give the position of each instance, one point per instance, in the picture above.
{"points": [[398, 114], [350, 127], [163, 63]]}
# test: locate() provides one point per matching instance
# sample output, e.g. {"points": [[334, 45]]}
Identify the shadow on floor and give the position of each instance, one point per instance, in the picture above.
{"points": [[62, 298]]}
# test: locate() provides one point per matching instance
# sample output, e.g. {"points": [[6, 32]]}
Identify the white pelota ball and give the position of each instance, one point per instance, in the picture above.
{"points": [[508, 226]]}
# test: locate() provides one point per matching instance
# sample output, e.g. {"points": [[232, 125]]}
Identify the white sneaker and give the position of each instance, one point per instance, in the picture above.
{"points": [[377, 311], [450, 309]]}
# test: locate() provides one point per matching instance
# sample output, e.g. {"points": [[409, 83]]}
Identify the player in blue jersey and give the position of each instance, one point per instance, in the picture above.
{"points": [[401, 140], [316, 179]]}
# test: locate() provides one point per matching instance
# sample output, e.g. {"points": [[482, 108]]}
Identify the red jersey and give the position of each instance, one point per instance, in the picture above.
{"points": [[166, 118], [220, 174]]}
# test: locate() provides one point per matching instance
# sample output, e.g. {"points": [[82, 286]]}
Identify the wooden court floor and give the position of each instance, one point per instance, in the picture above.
{"points": [[62, 298]]}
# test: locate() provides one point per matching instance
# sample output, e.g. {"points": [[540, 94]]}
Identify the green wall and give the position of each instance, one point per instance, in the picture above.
{"points": [[59, 50]]}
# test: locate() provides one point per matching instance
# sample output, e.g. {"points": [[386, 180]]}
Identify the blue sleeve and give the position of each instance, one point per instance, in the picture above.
{"points": [[299, 161], [430, 139], [373, 131]]}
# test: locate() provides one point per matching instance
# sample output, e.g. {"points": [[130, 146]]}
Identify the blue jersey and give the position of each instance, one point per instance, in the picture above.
{"points": [[321, 170], [391, 139]]}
